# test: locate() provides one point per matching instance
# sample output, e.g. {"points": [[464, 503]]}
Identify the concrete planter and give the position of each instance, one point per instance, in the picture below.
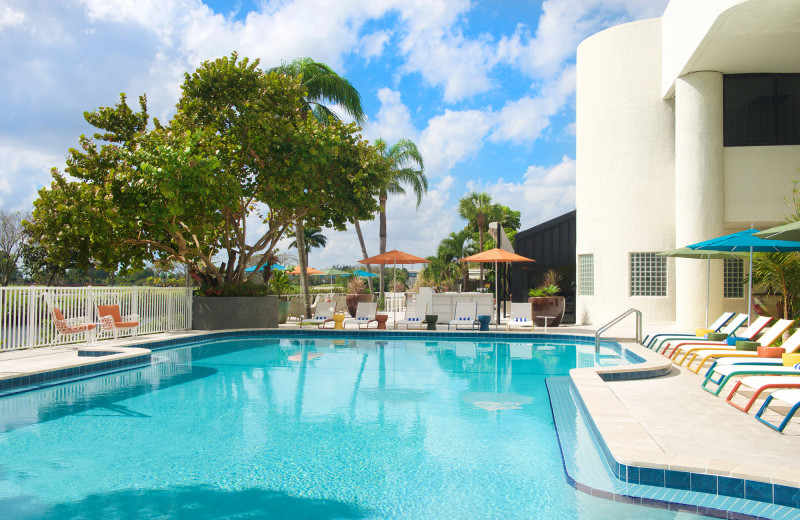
{"points": [[283, 311], [253, 312], [550, 306], [352, 302]]}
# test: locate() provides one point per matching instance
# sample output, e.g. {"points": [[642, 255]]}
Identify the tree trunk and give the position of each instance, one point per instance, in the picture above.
{"points": [[363, 250], [382, 236], [481, 222], [301, 254]]}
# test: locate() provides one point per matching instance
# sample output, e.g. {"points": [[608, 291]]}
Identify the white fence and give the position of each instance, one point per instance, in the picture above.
{"points": [[25, 323]]}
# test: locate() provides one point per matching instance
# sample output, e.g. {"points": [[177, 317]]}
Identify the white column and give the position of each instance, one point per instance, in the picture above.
{"points": [[698, 191]]}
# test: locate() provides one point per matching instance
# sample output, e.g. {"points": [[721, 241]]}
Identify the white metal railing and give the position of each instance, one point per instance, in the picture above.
{"points": [[25, 323], [613, 322]]}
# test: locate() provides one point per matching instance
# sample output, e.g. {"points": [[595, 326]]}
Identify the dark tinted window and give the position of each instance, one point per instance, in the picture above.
{"points": [[761, 109]]}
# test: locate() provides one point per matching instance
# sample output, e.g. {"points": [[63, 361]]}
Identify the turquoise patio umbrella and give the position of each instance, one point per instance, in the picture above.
{"points": [[364, 274], [746, 241], [275, 267]]}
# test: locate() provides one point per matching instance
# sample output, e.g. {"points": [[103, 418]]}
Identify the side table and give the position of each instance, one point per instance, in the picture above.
{"points": [[430, 319], [545, 318], [338, 320], [381, 319], [484, 319]]}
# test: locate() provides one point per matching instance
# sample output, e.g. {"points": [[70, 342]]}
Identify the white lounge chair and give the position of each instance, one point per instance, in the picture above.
{"points": [[324, 314], [754, 386], [725, 368], [466, 314], [790, 397], [415, 315], [365, 314], [748, 334], [650, 339], [521, 316], [766, 340], [730, 329]]}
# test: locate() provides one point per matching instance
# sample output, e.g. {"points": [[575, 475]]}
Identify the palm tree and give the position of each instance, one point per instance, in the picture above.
{"points": [[457, 245], [323, 85], [405, 167], [474, 208], [312, 237]]}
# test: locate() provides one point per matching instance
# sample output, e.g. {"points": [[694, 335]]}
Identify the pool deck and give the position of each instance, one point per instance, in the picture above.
{"points": [[666, 422]]}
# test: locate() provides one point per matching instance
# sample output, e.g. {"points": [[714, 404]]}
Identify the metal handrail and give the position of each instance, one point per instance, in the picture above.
{"points": [[613, 322]]}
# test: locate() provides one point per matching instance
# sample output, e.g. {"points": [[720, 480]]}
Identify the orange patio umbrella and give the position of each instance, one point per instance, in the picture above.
{"points": [[310, 270], [394, 257], [494, 256]]}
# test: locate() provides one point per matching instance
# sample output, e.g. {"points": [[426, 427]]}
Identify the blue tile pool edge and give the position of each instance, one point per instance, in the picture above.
{"points": [[21, 383], [30, 382], [784, 502]]}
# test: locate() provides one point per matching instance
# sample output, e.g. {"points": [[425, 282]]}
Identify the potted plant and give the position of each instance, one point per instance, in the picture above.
{"points": [[545, 299], [356, 292], [279, 284]]}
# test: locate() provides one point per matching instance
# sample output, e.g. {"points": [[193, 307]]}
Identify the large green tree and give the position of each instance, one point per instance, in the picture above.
{"points": [[240, 145], [405, 167], [323, 86]]}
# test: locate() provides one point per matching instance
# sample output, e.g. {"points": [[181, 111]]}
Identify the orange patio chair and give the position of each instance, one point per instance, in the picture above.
{"points": [[68, 327], [110, 319]]}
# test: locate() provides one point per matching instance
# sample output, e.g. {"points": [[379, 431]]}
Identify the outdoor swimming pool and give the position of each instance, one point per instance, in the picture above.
{"points": [[313, 428]]}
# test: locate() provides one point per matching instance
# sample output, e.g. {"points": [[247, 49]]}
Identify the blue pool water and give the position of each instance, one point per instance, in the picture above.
{"points": [[302, 429]]}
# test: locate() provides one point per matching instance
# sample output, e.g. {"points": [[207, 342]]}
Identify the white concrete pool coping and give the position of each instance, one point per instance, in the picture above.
{"points": [[666, 422]]}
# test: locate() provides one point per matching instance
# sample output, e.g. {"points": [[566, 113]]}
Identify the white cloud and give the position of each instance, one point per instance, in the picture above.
{"points": [[562, 26], [372, 45], [410, 229], [10, 17], [23, 171], [449, 60], [453, 137], [393, 121], [544, 193], [523, 120]]}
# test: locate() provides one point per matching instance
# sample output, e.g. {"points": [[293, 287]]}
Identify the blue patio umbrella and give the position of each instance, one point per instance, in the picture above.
{"points": [[364, 274], [275, 267], [745, 241]]}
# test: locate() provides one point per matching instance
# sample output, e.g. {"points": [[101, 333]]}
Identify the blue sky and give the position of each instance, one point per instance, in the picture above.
{"points": [[486, 89]]}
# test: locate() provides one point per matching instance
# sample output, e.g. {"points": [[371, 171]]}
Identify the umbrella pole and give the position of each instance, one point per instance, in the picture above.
{"points": [[496, 295], [394, 284], [750, 288], [708, 281]]}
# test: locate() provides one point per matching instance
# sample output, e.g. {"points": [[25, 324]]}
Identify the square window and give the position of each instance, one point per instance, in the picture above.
{"points": [[648, 274]]}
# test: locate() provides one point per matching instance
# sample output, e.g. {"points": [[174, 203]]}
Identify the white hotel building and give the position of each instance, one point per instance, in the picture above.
{"points": [[688, 128]]}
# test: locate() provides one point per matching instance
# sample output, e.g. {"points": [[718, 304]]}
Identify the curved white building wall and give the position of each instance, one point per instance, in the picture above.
{"points": [[625, 167]]}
